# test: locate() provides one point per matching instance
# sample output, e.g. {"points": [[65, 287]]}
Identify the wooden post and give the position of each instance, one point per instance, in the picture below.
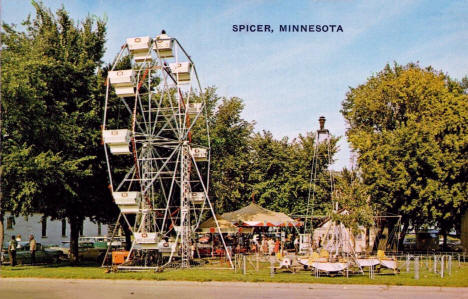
{"points": [[407, 263], [257, 268], [416, 268], [244, 266], [235, 263], [442, 266], [449, 265]]}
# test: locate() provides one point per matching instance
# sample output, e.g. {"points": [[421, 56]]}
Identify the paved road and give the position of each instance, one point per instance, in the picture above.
{"points": [[37, 288]]}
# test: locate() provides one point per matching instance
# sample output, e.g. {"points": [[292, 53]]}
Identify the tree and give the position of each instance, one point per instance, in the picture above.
{"points": [[281, 169], [230, 148], [351, 195], [407, 125], [53, 98]]}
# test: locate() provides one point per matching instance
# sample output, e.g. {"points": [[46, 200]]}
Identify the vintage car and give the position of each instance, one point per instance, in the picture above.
{"points": [[87, 251], [23, 255]]}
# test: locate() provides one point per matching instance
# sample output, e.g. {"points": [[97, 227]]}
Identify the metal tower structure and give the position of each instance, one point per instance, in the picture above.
{"points": [[157, 147], [325, 134], [337, 239], [322, 135]]}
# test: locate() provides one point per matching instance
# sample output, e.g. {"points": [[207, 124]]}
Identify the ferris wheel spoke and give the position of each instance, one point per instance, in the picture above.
{"points": [[130, 111], [175, 111], [165, 163], [127, 175], [171, 189], [169, 122], [170, 118], [142, 113]]}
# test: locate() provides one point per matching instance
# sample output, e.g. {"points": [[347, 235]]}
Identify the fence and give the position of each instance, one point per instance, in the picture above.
{"points": [[440, 264]]}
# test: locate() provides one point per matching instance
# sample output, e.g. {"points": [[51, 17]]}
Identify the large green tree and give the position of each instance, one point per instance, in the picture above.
{"points": [[407, 125], [248, 166], [230, 148], [352, 196], [52, 99], [281, 173]]}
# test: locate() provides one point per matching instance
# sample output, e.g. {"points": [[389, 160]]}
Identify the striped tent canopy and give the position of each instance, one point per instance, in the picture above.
{"points": [[255, 215], [209, 226]]}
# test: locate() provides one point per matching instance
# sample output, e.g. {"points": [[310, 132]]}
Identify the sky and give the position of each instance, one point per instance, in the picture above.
{"points": [[287, 79]]}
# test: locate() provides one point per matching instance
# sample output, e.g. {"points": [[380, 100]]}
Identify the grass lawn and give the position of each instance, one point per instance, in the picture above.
{"points": [[458, 278]]}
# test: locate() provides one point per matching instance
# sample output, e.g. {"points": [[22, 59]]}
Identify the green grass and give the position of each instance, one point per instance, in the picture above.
{"points": [[458, 278]]}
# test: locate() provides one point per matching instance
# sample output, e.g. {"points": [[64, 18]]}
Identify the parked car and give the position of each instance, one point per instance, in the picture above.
{"points": [[87, 251], [409, 243], [23, 255], [104, 242]]}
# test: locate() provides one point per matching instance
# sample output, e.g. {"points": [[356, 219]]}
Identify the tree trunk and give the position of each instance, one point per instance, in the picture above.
{"points": [[2, 236], [402, 236], [127, 232], [75, 225], [368, 247], [444, 246]]}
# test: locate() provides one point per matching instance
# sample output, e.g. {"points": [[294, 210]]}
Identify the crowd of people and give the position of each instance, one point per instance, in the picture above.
{"points": [[265, 243]]}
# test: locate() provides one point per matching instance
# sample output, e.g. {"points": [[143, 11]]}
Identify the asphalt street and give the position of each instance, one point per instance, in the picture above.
{"points": [[18, 288]]}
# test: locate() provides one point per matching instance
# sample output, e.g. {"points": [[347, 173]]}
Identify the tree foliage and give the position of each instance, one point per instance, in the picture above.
{"points": [[248, 166], [230, 147], [352, 196], [52, 98], [281, 174], [407, 125]]}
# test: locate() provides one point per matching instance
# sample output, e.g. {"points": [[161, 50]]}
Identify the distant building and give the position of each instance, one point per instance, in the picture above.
{"points": [[46, 231]]}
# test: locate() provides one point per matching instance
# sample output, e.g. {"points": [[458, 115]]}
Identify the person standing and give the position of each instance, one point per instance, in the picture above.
{"points": [[192, 250], [12, 250], [271, 246], [296, 244], [277, 246], [255, 244], [32, 249], [264, 245]]}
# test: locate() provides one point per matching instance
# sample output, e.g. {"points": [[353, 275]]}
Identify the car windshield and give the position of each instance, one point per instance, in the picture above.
{"points": [[80, 245]]}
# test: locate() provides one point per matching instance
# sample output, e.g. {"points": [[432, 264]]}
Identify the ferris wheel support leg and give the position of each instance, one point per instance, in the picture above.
{"points": [[185, 206], [171, 189], [228, 254], [109, 246]]}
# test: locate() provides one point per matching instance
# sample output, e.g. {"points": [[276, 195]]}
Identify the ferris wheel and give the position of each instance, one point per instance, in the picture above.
{"points": [[157, 147]]}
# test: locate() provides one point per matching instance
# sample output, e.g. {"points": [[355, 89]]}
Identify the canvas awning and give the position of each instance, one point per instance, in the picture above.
{"points": [[209, 226], [254, 215]]}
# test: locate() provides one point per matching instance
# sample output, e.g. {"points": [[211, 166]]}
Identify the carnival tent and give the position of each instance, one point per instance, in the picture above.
{"points": [[209, 226], [255, 215]]}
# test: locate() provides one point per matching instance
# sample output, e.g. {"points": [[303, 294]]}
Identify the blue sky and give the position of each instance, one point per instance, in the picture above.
{"points": [[287, 80]]}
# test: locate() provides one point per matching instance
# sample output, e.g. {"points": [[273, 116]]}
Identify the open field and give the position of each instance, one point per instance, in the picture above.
{"points": [[458, 277]]}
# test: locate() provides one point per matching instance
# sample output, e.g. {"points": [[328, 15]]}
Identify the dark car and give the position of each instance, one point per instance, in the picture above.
{"points": [[87, 251], [23, 255]]}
